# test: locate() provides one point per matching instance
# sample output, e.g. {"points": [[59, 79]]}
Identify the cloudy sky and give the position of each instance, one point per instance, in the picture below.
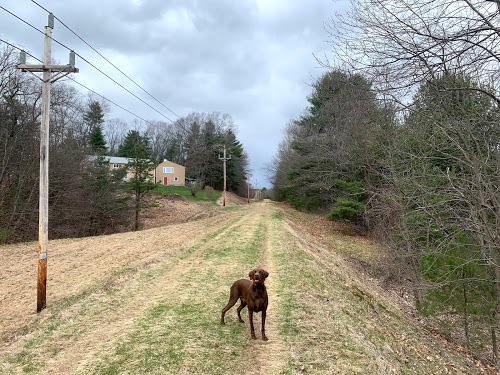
{"points": [[252, 59]]}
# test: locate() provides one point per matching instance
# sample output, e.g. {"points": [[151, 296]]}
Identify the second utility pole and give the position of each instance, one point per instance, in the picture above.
{"points": [[43, 215], [224, 159]]}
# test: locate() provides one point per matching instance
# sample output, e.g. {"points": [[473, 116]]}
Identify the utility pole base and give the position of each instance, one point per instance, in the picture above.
{"points": [[41, 295]]}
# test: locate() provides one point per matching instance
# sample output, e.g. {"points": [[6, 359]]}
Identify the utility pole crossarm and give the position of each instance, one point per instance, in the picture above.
{"points": [[47, 67], [43, 68]]}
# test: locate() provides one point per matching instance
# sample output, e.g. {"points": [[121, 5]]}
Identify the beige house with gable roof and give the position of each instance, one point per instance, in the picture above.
{"points": [[169, 173]]}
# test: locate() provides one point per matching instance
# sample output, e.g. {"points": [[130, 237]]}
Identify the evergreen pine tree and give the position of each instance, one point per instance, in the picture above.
{"points": [[97, 141], [93, 119], [134, 146]]}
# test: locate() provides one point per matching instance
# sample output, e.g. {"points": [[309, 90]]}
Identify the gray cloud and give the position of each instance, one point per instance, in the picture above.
{"points": [[250, 59]]}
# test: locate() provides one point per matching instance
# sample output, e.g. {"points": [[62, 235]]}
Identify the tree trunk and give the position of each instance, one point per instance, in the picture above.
{"points": [[494, 343], [466, 315], [137, 208]]}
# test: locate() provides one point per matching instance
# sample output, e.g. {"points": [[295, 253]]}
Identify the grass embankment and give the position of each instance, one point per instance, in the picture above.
{"points": [[206, 195], [339, 321]]}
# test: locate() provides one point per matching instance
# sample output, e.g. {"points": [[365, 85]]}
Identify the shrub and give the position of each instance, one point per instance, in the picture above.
{"points": [[346, 209]]}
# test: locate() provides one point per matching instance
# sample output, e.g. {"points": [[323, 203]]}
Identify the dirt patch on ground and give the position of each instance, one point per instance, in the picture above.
{"points": [[232, 200], [174, 209]]}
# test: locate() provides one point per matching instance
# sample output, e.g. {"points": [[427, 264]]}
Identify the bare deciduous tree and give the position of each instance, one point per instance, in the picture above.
{"points": [[115, 131], [401, 43]]}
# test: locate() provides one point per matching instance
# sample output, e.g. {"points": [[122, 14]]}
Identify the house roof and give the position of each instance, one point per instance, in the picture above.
{"points": [[117, 159], [110, 159], [165, 161], [122, 160]]}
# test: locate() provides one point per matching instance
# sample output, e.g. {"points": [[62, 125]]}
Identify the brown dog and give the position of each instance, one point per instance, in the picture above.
{"points": [[253, 294]]}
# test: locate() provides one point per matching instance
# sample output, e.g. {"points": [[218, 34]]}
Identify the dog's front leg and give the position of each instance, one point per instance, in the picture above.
{"points": [[252, 330], [264, 337]]}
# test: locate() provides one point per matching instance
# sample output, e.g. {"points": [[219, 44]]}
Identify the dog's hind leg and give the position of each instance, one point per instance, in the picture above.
{"points": [[224, 310], [241, 307], [233, 297]]}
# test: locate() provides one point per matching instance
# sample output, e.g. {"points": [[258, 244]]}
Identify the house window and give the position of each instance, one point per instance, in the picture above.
{"points": [[168, 169]]}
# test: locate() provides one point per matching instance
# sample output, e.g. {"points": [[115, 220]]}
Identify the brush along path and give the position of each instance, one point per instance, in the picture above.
{"points": [[149, 303]]}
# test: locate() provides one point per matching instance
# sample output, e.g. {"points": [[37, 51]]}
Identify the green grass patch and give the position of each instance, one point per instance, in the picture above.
{"points": [[26, 360], [246, 252], [183, 331], [277, 215], [201, 196], [25, 357], [173, 336], [308, 297], [5, 233]]}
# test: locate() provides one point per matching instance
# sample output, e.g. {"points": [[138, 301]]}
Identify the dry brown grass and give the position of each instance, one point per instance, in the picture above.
{"points": [[149, 302]]}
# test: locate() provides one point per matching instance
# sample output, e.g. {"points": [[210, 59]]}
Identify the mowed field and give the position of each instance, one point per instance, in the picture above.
{"points": [[149, 302]]}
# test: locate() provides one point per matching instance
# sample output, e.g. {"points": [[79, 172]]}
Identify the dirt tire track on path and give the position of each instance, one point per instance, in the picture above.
{"points": [[267, 357]]}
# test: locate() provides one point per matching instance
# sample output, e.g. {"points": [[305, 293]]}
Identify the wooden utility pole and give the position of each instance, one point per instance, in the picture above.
{"points": [[224, 159], [43, 217]]}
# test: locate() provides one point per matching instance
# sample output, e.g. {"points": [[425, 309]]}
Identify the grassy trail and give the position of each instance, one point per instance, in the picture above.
{"points": [[162, 315]]}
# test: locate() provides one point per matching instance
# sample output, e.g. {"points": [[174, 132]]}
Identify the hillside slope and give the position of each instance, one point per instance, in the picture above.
{"points": [[149, 302]]}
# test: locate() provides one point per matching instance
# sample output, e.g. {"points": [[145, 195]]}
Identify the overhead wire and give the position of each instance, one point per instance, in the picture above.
{"points": [[20, 49], [82, 85], [20, 19], [123, 87], [107, 60], [88, 62], [112, 102]]}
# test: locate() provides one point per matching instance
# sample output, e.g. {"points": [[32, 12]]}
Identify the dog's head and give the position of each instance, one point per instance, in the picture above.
{"points": [[258, 275]]}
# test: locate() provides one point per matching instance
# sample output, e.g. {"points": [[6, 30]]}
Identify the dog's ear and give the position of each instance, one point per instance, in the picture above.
{"points": [[266, 274], [251, 273]]}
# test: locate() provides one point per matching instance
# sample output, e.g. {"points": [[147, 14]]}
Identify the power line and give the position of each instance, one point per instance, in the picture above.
{"points": [[20, 49], [20, 19], [109, 100], [113, 65], [82, 85], [88, 62], [123, 87]]}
